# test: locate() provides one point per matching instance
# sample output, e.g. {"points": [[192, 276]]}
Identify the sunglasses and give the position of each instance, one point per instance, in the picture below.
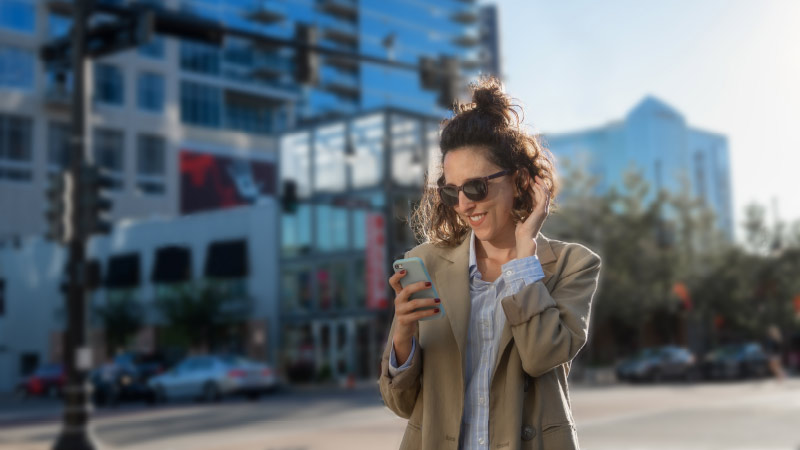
{"points": [[475, 189]]}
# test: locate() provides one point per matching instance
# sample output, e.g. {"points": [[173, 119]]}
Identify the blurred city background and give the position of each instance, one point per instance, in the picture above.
{"points": [[251, 166]]}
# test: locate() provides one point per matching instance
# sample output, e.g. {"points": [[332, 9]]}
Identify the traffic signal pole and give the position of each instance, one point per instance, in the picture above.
{"points": [[75, 434]]}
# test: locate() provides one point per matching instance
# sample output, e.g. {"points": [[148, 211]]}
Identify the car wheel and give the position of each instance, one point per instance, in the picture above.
{"points": [[211, 392]]}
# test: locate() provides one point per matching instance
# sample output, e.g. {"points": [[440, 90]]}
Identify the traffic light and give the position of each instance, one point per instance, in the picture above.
{"points": [[289, 200], [450, 83], [95, 203], [306, 60], [428, 74], [59, 207], [442, 76]]}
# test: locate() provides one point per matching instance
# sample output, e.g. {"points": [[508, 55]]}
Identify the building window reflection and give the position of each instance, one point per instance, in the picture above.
{"points": [[332, 228], [296, 289]]}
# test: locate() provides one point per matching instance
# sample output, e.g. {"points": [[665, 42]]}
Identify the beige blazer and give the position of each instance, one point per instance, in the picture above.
{"points": [[547, 324]]}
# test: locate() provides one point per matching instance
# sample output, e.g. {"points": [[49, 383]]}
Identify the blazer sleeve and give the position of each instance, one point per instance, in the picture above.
{"points": [[549, 328], [400, 392]]}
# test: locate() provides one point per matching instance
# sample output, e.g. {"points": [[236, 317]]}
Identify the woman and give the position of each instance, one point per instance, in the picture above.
{"points": [[493, 372]]}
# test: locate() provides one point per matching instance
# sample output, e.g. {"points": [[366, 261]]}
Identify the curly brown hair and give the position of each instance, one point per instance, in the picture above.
{"points": [[490, 122]]}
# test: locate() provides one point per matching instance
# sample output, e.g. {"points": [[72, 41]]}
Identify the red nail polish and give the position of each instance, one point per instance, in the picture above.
{"points": [[427, 283], [403, 272], [436, 300], [436, 310]]}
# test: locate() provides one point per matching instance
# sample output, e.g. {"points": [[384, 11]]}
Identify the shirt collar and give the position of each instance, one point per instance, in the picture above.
{"points": [[473, 261]]}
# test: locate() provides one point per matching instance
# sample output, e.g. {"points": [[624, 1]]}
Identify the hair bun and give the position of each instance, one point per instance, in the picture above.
{"points": [[490, 101]]}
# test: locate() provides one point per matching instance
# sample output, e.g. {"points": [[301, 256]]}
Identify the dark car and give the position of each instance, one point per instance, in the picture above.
{"points": [[46, 380], [736, 361], [124, 379], [659, 363]]}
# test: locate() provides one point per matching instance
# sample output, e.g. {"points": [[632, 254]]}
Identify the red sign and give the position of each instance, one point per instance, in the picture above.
{"points": [[377, 279], [213, 181]]}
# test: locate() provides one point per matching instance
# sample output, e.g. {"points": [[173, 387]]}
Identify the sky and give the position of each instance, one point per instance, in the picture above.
{"points": [[731, 67]]}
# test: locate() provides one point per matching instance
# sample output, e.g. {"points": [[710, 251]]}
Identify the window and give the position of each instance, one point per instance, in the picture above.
{"points": [[201, 104], [151, 92], [123, 271], [199, 57], [296, 289], [153, 49], [150, 163], [296, 232], [16, 68], [58, 145], [109, 86], [109, 152], [16, 147], [332, 228], [248, 114], [151, 158], [18, 15]]}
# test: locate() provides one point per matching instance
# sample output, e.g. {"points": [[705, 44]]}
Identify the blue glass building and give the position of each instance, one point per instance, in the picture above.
{"points": [[655, 139]]}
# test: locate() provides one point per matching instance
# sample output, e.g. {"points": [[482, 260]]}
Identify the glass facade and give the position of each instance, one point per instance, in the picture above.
{"points": [[150, 87], [109, 84], [18, 15], [201, 104], [16, 148], [17, 68]]}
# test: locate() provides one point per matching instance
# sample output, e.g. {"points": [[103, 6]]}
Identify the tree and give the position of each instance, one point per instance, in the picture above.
{"points": [[200, 314], [122, 318]]}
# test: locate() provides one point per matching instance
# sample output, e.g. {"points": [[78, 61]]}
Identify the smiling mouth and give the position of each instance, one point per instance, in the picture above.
{"points": [[476, 219]]}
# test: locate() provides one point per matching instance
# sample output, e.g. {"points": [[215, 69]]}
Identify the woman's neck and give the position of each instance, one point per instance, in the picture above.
{"points": [[502, 249]]}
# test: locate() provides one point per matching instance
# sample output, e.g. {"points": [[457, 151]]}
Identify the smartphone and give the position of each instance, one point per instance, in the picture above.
{"points": [[415, 272]]}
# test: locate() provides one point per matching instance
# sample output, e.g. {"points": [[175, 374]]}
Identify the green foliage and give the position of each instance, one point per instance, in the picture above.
{"points": [[199, 315], [121, 316], [650, 241]]}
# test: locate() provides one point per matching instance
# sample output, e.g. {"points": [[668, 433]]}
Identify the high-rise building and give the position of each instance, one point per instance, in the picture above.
{"points": [[157, 108], [490, 56], [655, 139]]}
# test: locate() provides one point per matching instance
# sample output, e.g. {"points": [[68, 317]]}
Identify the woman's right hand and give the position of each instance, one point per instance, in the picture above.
{"points": [[405, 316]]}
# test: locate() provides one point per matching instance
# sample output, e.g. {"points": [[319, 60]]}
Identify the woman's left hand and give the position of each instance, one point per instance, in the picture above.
{"points": [[527, 231]]}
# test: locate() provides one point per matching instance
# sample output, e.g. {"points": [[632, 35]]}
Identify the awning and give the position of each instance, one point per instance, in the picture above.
{"points": [[123, 271], [173, 265], [227, 259]]}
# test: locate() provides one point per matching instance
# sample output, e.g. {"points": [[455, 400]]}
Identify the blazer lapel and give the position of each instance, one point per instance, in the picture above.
{"points": [[452, 284]]}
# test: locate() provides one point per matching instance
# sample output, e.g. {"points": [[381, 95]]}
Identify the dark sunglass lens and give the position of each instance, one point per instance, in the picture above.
{"points": [[449, 195], [475, 189]]}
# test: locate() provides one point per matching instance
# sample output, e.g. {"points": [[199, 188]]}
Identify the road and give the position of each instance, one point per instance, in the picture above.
{"points": [[737, 415]]}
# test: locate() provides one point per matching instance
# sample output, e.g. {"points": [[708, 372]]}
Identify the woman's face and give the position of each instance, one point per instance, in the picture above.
{"points": [[490, 217]]}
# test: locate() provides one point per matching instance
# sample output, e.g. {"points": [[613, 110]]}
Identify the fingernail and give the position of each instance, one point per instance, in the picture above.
{"points": [[427, 283], [403, 272], [436, 300], [436, 310]]}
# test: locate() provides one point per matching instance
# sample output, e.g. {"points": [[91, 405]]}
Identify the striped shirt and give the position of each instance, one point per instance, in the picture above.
{"points": [[486, 323]]}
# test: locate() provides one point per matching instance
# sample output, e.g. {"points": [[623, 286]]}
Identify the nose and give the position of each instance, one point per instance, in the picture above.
{"points": [[464, 203]]}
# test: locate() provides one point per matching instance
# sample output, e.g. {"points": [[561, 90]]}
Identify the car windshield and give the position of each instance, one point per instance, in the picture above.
{"points": [[233, 360]]}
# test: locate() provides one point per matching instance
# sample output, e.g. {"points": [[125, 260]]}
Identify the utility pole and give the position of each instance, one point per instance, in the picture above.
{"points": [[75, 433]]}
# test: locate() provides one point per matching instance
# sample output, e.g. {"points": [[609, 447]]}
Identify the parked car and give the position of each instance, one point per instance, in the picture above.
{"points": [[659, 363], [211, 377], [47, 379], [736, 361], [125, 379]]}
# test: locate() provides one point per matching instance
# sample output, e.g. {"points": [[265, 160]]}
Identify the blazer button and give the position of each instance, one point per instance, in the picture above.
{"points": [[528, 432]]}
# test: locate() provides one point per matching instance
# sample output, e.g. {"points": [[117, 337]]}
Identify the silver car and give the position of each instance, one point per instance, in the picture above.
{"points": [[211, 377]]}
